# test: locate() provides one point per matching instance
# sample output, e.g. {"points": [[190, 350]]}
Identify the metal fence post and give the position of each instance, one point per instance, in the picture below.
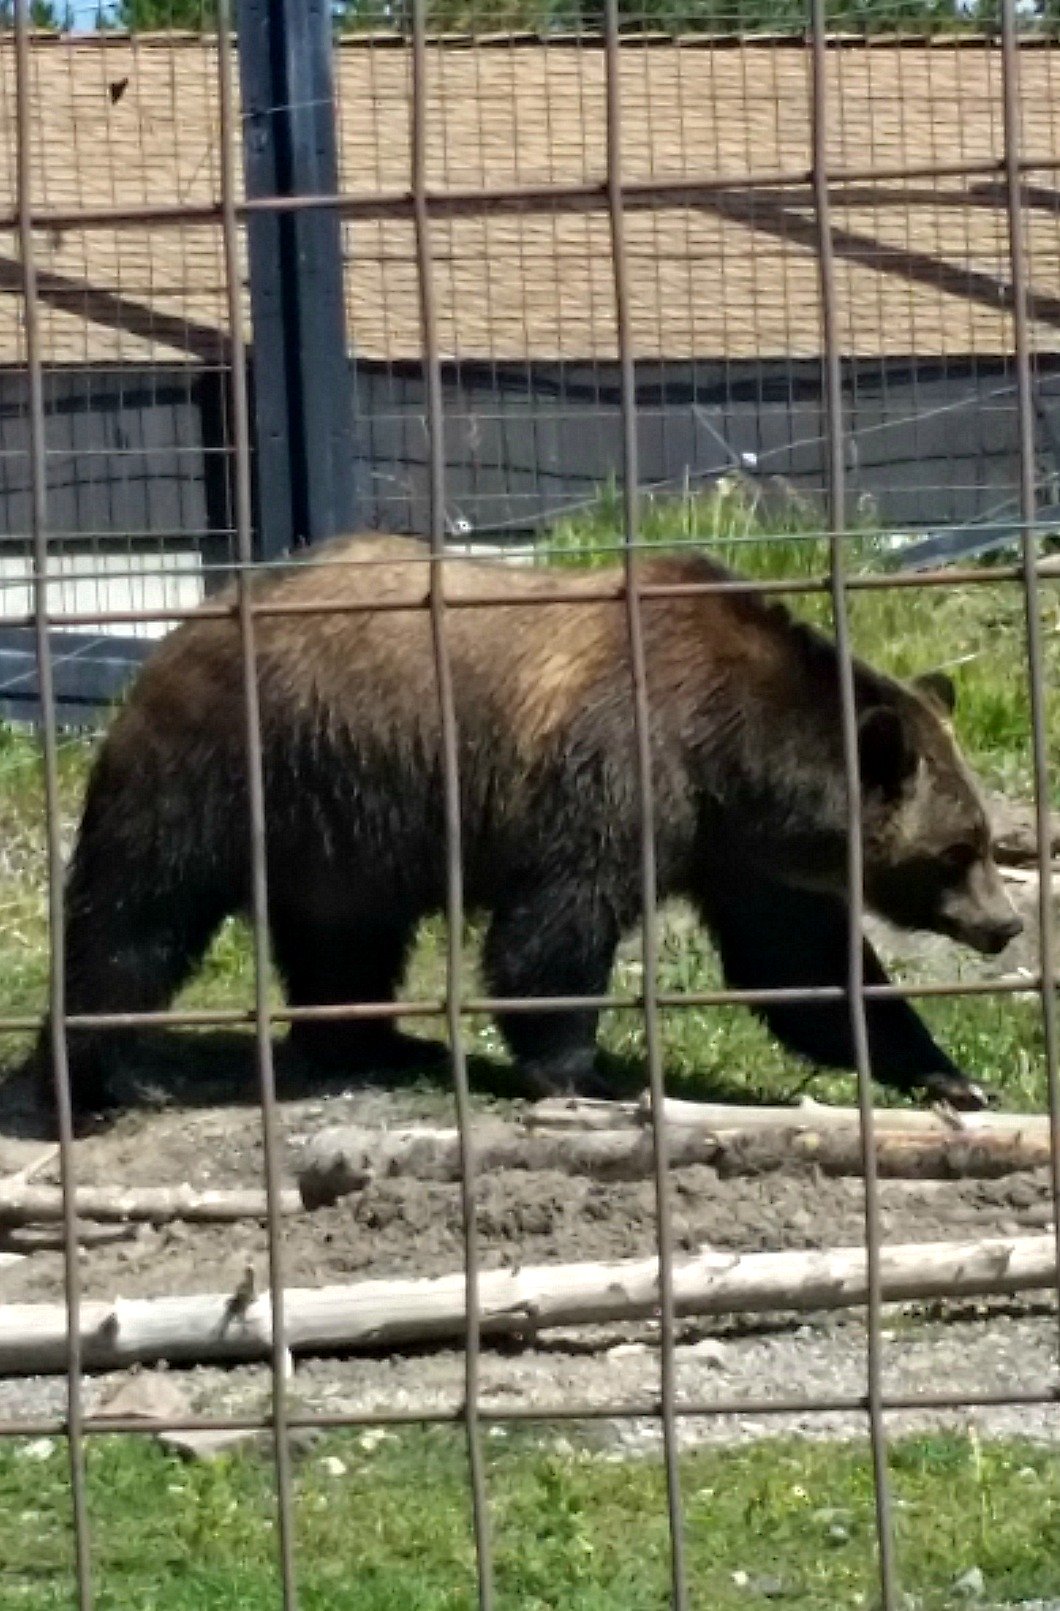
{"points": [[302, 374]]}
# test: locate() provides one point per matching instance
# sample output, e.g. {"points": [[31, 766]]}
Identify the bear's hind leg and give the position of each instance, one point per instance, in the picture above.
{"points": [[337, 964], [545, 943], [127, 948]]}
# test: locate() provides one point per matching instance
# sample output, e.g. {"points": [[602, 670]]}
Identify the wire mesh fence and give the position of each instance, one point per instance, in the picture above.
{"points": [[641, 288], [528, 325]]}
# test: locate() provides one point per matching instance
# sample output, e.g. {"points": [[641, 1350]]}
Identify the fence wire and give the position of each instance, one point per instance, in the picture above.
{"points": [[569, 217]]}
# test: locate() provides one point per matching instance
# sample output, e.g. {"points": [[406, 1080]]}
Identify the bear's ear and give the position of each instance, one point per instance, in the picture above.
{"points": [[885, 754], [939, 688]]}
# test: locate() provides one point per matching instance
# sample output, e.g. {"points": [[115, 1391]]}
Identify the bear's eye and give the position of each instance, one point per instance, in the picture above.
{"points": [[957, 859]]}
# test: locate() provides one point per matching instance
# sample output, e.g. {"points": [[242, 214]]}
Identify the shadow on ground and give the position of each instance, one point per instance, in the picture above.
{"points": [[205, 1069]]}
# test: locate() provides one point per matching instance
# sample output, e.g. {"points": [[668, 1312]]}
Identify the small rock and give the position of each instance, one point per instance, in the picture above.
{"points": [[333, 1466], [683, 1235], [627, 1350], [770, 1588], [970, 1584], [150, 1395], [208, 1445], [838, 1533], [740, 1579], [374, 1436], [709, 1350], [302, 1440], [39, 1449], [1027, 1194]]}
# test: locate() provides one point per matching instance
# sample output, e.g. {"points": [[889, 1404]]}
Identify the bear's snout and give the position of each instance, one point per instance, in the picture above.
{"points": [[979, 912], [994, 937]]}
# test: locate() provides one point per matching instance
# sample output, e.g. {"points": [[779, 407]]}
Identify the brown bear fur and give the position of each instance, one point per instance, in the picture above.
{"points": [[749, 792]]}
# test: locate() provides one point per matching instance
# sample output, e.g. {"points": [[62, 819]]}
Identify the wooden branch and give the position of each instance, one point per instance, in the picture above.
{"points": [[346, 1159], [514, 1302], [22, 1204]]}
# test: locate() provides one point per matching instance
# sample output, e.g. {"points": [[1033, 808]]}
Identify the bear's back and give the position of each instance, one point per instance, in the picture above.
{"points": [[524, 665], [343, 637]]}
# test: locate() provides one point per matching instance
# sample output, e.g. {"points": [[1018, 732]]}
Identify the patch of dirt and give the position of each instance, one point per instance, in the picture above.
{"points": [[403, 1227], [410, 1228]]}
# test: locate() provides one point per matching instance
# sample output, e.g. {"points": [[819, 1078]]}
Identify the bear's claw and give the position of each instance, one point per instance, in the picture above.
{"points": [[967, 1096]]}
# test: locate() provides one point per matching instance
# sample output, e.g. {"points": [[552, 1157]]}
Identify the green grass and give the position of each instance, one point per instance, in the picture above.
{"points": [[572, 1528], [977, 631]]}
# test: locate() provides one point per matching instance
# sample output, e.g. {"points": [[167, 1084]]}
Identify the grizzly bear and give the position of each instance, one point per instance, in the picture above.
{"points": [[749, 791]]}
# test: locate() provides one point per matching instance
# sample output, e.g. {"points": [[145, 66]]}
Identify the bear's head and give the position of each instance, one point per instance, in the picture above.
{"points": [[927, 844]]}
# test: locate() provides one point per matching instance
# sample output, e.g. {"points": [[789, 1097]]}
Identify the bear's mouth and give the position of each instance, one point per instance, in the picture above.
{"points": [[989, 939]]}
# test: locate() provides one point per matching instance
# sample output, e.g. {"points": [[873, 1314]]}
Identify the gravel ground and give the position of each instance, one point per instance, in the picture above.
{"points": [[998, 1349]]}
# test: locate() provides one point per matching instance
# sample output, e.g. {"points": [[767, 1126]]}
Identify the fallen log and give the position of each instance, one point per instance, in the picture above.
{"points": [[950, 1155], [1014, 831], [719, 1118], [809, 1115], [346, 1159], [51, 1238], [1028, 876], [582, 1113], [22, 1204], [513, 1302]]}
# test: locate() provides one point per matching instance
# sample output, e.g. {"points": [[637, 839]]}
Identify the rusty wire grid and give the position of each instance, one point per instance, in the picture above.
{"points": [[56, 991], [450, 739], [430, 253], [616, 131], [256, 825]]}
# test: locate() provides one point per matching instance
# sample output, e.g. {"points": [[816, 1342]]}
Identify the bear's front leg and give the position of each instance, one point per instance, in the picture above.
{"points": [[772, 937]]}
